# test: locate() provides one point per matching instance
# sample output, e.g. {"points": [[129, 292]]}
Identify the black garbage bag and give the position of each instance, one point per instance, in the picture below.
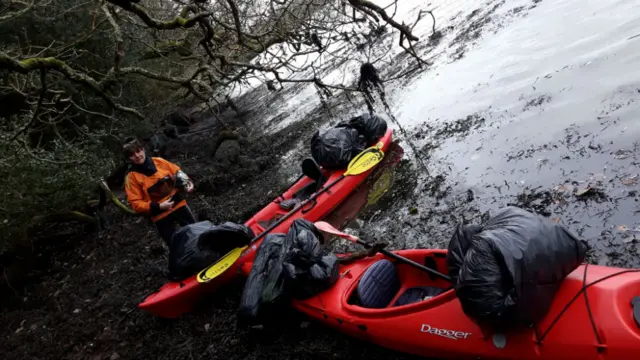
{"points": [[458, 246], [370, 127], [185, 256], [512, 267], [308, 270], [316, 278], [286, 266], [196, 246], [225, 237], [265, 284], [335, 148], [306, 247]]}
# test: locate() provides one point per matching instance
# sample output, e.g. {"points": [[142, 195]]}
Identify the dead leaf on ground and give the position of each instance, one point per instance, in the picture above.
{"points": [[584, 190], [564, 188], [631, 180], [621, 154]]}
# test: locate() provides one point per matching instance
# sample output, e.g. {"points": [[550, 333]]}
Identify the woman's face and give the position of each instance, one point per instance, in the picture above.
{"points": [[137, 157]]}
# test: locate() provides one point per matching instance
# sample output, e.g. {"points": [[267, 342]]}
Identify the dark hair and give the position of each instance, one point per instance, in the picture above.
{"points": [[130, 145]]}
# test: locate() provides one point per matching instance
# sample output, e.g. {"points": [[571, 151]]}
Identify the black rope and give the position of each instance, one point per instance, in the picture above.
{"points": [[586, 301], [537, 332], [583, 289]]}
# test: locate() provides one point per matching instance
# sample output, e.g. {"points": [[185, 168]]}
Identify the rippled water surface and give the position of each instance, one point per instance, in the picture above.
{"points": [[538, 107]]}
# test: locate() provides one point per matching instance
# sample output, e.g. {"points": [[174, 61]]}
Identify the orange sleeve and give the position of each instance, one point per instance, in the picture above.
{"points": [[135, 196]]}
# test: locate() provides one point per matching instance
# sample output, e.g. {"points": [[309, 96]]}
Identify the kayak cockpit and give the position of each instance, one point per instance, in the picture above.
{"points": [[386, 286], [313, 178], [381, 287], [316, 179]]}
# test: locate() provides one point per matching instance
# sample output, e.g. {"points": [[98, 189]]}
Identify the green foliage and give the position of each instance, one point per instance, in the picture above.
{"points": [[40, 181]]}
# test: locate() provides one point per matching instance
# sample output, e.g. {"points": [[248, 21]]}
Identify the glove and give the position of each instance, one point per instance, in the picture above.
{"points": [[182, 180]]}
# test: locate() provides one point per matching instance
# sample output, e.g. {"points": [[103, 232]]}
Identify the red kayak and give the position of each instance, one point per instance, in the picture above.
{"points": [[400, 307], [177, 298]]}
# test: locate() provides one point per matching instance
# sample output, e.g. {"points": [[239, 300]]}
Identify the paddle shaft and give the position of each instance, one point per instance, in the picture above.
{"points": [[405, 260], [298, 207]]}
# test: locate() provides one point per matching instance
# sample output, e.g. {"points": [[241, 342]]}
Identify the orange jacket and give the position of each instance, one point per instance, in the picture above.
{"points": [[146, 192]]}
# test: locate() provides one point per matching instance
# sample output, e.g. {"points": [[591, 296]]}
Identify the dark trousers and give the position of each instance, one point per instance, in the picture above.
{"points": [[167, 225]]}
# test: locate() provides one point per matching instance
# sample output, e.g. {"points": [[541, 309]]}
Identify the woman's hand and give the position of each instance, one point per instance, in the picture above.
{"points": [[166, 205]]}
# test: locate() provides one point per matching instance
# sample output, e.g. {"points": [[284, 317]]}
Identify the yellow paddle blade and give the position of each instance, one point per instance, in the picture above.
{"points": [[221, 265], [366, 160]]}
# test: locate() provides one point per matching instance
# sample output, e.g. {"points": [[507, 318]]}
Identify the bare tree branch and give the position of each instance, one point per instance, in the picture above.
{"points": [[49, 63], [114, 199], [15, 14], [364, 4], [236, 19], [117, 33], [180, 21], [36, 112]]}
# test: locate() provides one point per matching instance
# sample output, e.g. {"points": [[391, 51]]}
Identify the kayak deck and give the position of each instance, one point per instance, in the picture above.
{"points": [[412, 312], [179, 297]]}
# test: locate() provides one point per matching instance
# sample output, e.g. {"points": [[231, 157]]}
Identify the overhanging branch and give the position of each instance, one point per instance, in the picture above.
{"points": [[36, 112], [180, 21], [15, 14], [50, 63], [117, 33], [236, 20], [364, 5]]}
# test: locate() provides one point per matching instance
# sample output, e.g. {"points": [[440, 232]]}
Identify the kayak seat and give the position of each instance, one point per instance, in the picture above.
{"points": [[312, 170], [380, 284]]}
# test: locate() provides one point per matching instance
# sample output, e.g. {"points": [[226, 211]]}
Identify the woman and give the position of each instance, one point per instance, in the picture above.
{"points": [[152, 186]]}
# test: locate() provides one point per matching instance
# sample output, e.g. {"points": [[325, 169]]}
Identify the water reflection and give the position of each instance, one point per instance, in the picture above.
{"points": [[372, 195]]}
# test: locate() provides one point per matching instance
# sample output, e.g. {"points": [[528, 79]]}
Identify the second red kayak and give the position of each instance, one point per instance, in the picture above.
{"points": [[595, 315], [177, 298]]}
